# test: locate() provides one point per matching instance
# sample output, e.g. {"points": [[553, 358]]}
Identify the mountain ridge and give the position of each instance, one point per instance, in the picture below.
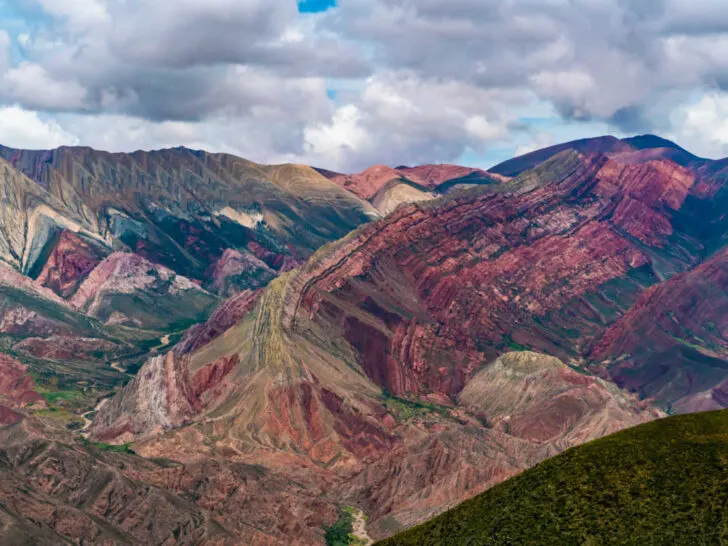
{"points": [[343, 356], [643, 485]]}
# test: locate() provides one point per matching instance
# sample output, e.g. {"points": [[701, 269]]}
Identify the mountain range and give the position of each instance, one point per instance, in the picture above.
{"points": [[201, 349]]}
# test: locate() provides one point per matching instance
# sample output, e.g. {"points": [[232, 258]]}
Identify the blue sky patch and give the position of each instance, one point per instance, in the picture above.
{"points": [[315, 6]]}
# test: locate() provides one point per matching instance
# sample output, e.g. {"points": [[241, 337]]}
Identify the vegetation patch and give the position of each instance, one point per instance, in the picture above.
{"points": [[122, 448], [513, 346], [53, 397], [340, 533], [59, 414], [664, 482], [406, 409]]}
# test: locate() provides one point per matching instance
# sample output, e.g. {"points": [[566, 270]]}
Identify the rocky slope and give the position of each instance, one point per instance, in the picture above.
{"points": [[321, 422], [429, 294], [540, 399], [55, 490], [130, 290], [138, 247], [380, 373], [659, 483], [375, 366], [387, 188], [637, 149], [685, 360], [182, 208], [376, 322]]}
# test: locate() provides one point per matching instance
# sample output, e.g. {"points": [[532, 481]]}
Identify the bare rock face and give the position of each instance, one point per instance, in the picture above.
{"points": [[222, 222], [158, 399], [350, 371], [57, 491], [633, 150], [548, 263], [113, 289], [670, 346], [540, 399], [28, 309], [382, 372], [64, 347], [436, 175], [367, 183], [17, 388], [228, 314], [235, 272], [387, 188], [69, 263]]}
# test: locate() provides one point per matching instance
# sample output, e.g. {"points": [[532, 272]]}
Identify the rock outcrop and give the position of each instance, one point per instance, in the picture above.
{"points": [[387, 188], [70, 261], [130, 290]]}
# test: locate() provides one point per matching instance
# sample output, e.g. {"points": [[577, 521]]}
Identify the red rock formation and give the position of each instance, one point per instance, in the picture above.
{"points": [[113, 290], [17, 388], [371, 181], [367, 183], [370, 376], [638, 149], [63, 347], [227, 315], [236, 271], [671, 345], [432, 281], [57, 491], [69, 263], [415, 304], [435, 175]]}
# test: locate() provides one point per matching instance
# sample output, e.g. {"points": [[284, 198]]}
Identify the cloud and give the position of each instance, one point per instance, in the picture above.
{"points": [[400, 118], [704, 124], [23, 129], [175, 60], [32, 85], [591, 58], [364, 81]]}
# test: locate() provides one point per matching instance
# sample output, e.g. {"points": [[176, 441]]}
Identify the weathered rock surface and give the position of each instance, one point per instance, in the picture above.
{"points": [[69, 263], [671, 345], [637, 149], [412, 306], [130, 290], [17, 388], [235, 272], [225, 223], [227, 315], [381, 372], [540, 399], [387, 188], [54, 491], [380, 360]]}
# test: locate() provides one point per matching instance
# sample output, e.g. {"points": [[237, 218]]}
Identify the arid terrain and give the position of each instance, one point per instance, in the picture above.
{"points": [[198, 349]]}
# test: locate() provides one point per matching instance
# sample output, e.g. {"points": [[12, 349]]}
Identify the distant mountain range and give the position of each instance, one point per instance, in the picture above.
{"points": [[201, 349]]}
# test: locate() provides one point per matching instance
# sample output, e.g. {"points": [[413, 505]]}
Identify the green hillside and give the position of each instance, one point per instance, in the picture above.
{"points": [[665, 482]]}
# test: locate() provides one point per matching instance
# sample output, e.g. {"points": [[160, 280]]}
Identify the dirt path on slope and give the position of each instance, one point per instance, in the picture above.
{"points": [[86, 421]]}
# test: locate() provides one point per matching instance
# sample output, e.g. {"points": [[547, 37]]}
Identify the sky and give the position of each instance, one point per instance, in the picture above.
{"points": [[346, 84]]}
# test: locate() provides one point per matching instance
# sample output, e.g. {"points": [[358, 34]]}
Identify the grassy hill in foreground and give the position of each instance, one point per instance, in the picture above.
{"points": [[665, 482]]}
